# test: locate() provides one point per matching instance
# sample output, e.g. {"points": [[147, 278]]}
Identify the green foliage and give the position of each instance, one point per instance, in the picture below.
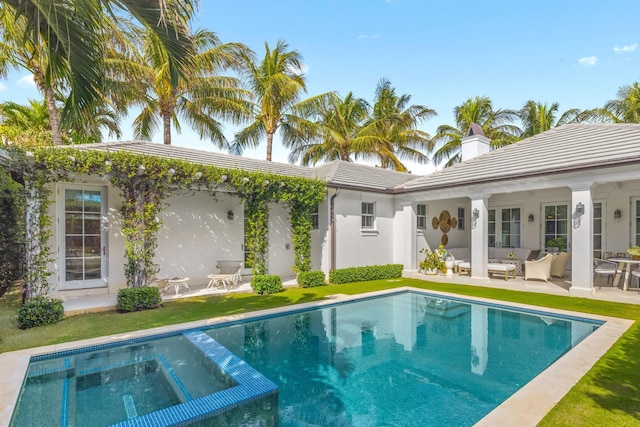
{"points": [[433, 260], [144, 183], [265, 284], [40, 311], [363, 274], [11, 234], [558, 242], [136, 299], [311, 279]]}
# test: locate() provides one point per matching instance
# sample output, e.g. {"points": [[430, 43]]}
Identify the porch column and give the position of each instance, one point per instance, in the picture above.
{"points": [[479, 236], [582, 239], [404, 251]]}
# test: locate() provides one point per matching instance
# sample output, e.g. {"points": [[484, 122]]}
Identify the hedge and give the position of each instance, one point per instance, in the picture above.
{"points": [[40, 311], [363, 274], [136, 299], [265, 284], [310, 279]]}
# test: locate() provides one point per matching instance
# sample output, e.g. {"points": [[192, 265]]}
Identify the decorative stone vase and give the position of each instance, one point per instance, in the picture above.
{"points": [[449, 264]]}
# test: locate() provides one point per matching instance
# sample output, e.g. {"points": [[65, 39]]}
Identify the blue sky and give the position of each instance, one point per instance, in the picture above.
{"points": [[576, 53]]}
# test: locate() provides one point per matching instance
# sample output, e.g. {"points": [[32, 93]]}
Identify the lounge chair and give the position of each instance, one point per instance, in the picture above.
{"points": [[229, 272], [539, 269]]}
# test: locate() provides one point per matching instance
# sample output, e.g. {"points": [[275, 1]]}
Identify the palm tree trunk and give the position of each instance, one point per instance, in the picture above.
{"points": [[166, 121], [54, 116], [269, 145]]}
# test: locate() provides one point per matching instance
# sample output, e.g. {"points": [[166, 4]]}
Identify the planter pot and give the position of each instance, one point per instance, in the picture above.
{"points": [[449, 264], [636, 257], [431, 271]]}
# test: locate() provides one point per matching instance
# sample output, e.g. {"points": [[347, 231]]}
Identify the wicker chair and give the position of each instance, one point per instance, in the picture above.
{"points": [[539, 269], [559, 264]]}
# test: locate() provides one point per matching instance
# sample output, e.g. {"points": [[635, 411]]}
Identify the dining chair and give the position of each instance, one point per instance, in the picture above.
{"points": [[635, 273], [605, 268]]}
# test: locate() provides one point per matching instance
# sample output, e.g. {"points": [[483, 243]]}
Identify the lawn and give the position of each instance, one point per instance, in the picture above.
{"points": [[609, 395]]}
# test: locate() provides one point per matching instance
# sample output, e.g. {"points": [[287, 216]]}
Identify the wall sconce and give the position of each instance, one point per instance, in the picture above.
{"points": [[231, 215], [475, 214], [617, 214], [531, 218], [577, 215]]}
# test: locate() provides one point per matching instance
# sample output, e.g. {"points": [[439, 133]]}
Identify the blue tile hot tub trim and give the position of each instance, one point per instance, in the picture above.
{"points": [[251, 386]]}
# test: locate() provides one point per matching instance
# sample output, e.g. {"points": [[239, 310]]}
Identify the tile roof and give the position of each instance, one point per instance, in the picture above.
{"points": [[337, 172], [560, 150]]}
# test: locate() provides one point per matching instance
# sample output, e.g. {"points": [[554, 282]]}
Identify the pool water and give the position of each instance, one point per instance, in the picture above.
{"points": [[400, 360]]}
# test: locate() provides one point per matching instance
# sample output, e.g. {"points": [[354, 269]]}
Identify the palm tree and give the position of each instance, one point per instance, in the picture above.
{"points": [[625, 109], [70, 35], [394, 123], [16, 52], [25, 125], [496, 125], [332, 133], [277, 84], [200, 96], [537, 117]]}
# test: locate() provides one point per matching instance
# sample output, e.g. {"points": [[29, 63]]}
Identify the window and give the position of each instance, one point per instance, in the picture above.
{"points": [[368, 214], [504, 228], [510, 227], [635, 240], [556, 222], [492, 228], [421, 217], [461, 218], [314, 218], [82, 234], [597, 230]]}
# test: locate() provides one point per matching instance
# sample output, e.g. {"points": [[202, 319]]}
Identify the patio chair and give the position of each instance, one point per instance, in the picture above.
{"points": [[559, 264], [231, 268], [635, 273], [605, 268], [539, 269]]}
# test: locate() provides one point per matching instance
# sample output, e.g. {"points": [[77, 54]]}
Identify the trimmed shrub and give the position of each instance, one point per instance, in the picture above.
{"points": [[310, 279], [136, 299], [364, 274], [40, 311], [265, 284]]}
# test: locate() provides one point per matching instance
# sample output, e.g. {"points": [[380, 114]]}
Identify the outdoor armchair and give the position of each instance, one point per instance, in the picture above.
{"points": [[539, 269], [605, 268]]}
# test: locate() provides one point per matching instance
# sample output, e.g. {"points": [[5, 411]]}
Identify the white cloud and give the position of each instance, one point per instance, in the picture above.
{"points": [[26, 82], [625, 49], [368, 36], [588, 61]]}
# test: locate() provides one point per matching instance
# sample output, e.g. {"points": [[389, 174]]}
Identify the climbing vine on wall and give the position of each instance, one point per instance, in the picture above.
{"points": [[145, 182]]}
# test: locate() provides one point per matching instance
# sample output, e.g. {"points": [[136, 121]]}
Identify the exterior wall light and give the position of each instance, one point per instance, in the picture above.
{"points": [[531, 218], [231, 215], [617, 214]]}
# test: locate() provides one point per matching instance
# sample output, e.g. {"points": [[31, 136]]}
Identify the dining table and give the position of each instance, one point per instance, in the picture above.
{"points": [[624, 264]]}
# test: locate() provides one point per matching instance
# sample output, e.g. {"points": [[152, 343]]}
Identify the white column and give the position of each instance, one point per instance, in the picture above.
{"points": [[581, 239], [404, 250], [479, 236]]}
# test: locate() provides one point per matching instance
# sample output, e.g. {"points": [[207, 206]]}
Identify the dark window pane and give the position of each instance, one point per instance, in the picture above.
{"points": [[92, 224], [92, 245], [73, 200], [73, 223], [73, 246], [92, 201], [92, 268], [73, 269]]}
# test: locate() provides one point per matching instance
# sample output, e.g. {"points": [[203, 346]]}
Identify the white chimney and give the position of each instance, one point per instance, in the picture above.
{"points": [[475, 143]]}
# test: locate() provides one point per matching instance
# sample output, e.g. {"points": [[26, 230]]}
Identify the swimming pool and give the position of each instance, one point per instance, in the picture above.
{"points": [[391, 360]]}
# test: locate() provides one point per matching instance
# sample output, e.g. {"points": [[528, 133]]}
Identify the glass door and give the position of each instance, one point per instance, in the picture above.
{"points": [[635, 222], [84, 239], [556, 224]]}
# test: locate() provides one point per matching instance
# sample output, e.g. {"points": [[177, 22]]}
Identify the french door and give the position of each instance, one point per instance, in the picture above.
{"points": [[556, 223], [504, 228], [83, 238]]}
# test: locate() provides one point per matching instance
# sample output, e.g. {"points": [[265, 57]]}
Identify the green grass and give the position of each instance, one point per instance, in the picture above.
{"points": [[609, 395]]}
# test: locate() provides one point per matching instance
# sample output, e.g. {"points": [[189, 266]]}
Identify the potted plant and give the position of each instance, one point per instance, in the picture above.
{"points": [[634, 251], [555, 245], [433, 260]]}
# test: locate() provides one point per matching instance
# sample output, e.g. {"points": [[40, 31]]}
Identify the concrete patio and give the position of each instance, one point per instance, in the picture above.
{"points": [[83, 304]]}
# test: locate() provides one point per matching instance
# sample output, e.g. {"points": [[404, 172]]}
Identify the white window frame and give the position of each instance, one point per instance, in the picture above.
{"points": [[63, 283], [421, 218], [603, 226], [543, 237], [462, 218], [497, 223], [367, 217], [635, 222]]}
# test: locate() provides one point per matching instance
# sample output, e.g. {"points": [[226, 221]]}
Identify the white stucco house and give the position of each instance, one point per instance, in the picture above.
{"points": [[578, 182]]}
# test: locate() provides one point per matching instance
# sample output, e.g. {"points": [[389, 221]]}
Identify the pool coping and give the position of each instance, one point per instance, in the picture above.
{"points": [[524, 408]]}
